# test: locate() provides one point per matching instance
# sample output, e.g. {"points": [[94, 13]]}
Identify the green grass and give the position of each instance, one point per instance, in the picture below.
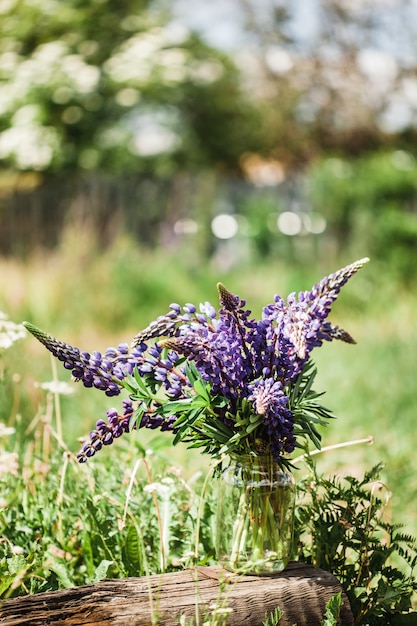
{"points": [[371, 388], [54, 511]]}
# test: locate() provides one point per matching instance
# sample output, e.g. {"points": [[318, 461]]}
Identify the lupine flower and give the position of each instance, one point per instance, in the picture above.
{"points": [[218, 379]]}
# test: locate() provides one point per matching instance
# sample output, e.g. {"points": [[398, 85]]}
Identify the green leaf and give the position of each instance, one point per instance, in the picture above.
{"points": [[101, 570], [139, 379], [133, 551], [16, 563], [61, 570], [202, 390], [333, 610], [171, 408], [187, 422], [253, 426], [192, 373], [273, 618], [5, 583]]}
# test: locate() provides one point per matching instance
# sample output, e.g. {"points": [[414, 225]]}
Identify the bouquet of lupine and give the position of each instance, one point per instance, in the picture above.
{"points": [[217, 379]]}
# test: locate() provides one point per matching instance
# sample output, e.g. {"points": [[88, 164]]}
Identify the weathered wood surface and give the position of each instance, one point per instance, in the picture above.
{"points": [[300, 591]]}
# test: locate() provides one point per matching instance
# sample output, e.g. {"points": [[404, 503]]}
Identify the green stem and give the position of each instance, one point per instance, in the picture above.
{"points": [[239, 534]]}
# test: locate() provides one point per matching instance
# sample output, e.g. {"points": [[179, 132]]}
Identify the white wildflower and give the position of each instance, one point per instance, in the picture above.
{"points": [[9, 332], [9, 463], [56, 386], [6, 431], [158, 488], [219, 610]]}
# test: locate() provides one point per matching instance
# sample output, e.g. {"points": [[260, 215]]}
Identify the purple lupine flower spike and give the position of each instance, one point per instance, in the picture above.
{"points": [[228, 300], [105, 433], [168, 325], [242, 375], [163, 326], [93, 370], [322, 295], [332, 331]]}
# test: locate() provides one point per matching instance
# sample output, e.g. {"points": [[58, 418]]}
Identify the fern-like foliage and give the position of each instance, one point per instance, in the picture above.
{"points": [[340, 528]]}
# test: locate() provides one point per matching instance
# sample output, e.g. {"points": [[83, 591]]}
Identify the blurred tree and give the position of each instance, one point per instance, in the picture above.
{"points": [[94, 85], [114, 106], [371, 204], [337, 75], [88, 85]]}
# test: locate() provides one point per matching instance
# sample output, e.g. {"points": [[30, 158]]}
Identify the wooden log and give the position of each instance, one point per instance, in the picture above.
{"points": [[300, 591]]}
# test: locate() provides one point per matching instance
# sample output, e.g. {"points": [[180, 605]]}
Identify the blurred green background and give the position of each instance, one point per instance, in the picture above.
{"points": [[149, 149]]}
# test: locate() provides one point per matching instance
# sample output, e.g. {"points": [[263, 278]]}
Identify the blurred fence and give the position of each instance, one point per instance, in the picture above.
{"points": [[368, 208], [34, 214]]}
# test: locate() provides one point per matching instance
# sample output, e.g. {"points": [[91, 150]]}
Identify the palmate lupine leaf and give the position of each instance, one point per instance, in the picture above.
{"points": [[308, 414]]}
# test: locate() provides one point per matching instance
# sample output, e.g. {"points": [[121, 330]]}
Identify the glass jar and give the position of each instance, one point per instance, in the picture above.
{"points": [[255, 516]]}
